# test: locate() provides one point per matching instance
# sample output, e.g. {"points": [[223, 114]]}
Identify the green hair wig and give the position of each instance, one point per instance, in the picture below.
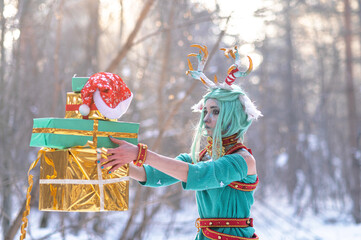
{"points": [[232, 119]]}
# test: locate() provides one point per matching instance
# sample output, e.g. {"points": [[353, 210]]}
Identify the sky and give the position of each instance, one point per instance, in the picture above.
{"points": [[243, 21]]}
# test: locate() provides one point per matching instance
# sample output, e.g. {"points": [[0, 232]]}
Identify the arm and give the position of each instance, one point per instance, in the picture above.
{"points": [[169, 166], [151, 177], [137, 173], [127, 152], [251, 162], [217, 174]]}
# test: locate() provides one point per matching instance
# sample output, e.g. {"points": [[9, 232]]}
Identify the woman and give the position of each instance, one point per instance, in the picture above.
{"points": [[223, 174]]}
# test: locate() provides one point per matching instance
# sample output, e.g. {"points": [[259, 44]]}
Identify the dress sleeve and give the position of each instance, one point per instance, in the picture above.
{"points": [[156, 178], [216, 174]]}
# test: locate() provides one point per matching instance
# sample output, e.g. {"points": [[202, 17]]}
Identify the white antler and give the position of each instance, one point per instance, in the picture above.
{"points": [[202, 57], [233, 71]]}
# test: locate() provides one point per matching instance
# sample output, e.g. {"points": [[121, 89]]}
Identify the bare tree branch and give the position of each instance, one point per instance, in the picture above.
{"points": [[18, 220], [178, 26], [59, 17], [176, 107], [128, 44]]}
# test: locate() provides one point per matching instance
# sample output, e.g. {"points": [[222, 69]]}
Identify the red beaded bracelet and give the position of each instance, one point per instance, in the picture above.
{"points": [[142, 154]]}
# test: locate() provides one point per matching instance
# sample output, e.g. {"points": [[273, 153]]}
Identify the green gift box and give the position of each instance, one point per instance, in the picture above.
{"points": [[63, 133], [77, 83]]}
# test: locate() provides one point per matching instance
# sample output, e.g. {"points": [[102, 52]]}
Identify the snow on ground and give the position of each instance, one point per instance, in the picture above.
{"points": [[273, 220]]}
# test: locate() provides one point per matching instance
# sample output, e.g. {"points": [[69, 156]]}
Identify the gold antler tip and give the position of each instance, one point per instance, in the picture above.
{"points": [[189, 66], [250, 68], [196, 45], [231, 68]]}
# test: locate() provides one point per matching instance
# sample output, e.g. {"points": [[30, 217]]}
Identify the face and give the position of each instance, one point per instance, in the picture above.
{"points": [[211, 112]]}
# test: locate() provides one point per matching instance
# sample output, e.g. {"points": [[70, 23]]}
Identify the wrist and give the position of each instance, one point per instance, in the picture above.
{"points": [[142, 155], [137, 173]]}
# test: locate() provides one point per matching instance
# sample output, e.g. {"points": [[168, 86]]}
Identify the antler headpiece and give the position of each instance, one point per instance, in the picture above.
{"points": [[232, 73]]}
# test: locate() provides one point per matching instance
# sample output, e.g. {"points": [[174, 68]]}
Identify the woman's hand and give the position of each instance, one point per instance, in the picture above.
{"points": [[125, 153]]}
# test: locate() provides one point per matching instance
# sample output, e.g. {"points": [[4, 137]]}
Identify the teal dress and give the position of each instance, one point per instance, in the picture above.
{"points": [[214, 198]]}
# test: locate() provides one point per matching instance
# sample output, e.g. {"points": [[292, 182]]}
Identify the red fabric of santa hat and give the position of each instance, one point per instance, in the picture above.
{"points": [[110, 94]]}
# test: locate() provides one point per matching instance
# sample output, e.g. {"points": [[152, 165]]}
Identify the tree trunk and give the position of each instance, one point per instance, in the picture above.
{"points": [[18, 220], [93, 30], [5, 175], [165, 66], [58, 82], [293, 161], [264, 99], [2, 53], [352, 117]]}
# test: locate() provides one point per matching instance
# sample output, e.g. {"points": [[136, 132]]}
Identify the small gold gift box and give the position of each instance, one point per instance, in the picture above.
{"points": [[71, 180], [73, 102]]}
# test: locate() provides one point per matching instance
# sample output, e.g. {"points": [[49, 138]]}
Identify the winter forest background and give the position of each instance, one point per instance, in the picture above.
{"points": [[307, 56]]}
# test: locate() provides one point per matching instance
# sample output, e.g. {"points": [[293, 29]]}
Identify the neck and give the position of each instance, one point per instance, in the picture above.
{"points": [[227, 143]]}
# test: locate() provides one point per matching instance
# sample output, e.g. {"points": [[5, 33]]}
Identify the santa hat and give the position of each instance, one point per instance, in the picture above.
{"points": [[110, 94]]}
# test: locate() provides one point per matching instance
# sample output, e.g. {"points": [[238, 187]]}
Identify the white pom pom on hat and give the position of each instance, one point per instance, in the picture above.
{"points": [[84, 110], [109, 93]]}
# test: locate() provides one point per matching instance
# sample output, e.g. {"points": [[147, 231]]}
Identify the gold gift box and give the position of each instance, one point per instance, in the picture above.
{"points": [[73, 101], [71, 180]]}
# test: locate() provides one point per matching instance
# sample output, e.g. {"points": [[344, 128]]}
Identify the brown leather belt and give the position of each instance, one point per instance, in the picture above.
{"points": [[206, 223]]}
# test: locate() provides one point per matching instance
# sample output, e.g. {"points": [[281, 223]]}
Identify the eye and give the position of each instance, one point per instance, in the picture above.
{"points": [[216, 111], [205, 112]]}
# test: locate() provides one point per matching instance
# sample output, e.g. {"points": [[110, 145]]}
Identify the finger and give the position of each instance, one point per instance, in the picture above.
{"points": [[102, 160], [112, 157], [117, 141], [122, 147], [112, 150], [108, 164], [115, 167]]}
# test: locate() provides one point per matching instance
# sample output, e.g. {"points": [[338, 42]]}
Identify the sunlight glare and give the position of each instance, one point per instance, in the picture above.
{"points": [[10, 37], [10, 11], [243, 22]]}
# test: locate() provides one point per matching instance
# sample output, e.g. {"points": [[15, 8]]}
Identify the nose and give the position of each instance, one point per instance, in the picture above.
{"points": [[206, 118]]}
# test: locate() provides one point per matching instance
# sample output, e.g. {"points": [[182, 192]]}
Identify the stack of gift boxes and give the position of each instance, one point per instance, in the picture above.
{"points": [[70, 177]]}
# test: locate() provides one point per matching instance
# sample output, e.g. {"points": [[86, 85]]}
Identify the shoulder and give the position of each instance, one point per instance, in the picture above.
{"points": [[250, 160], [245, 154]]}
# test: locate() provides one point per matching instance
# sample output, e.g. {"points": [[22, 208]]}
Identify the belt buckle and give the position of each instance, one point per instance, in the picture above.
{"points": [[250, 222], [198, 224]]}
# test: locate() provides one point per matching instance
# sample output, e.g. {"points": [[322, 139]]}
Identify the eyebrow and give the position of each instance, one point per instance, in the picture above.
{"points": [[213, 107]]}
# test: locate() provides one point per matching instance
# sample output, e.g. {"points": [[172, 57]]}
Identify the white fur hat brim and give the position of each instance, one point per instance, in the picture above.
{"points": [[108, 112]]}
